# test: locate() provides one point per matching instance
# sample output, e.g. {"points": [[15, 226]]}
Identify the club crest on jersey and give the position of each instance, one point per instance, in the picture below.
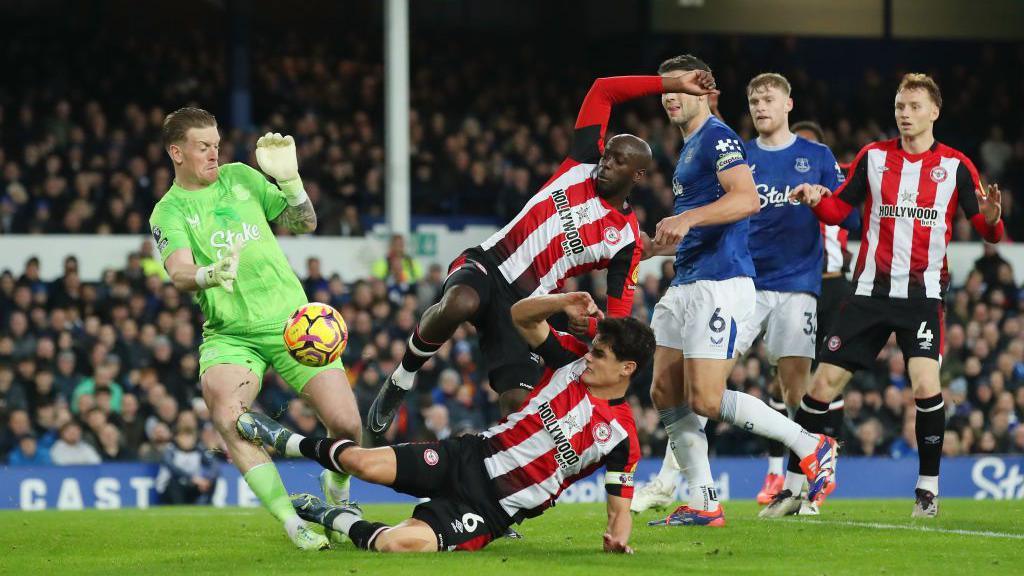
{"points": [[802, 165], [602, 432], [612, 235], [240, 192], [193, 220], [834, 343], [572, 243], [938, 174], [430, 457]]}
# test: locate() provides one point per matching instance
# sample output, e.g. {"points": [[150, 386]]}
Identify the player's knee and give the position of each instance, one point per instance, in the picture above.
{"points": [[342, 426], [461, 302], [823, 388], [705, 404]]}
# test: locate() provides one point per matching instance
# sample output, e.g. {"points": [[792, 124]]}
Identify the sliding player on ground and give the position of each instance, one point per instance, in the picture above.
{"points": [[575, 421]]}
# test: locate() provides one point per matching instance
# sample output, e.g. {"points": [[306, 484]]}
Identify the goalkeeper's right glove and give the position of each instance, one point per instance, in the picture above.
{"points": [[222, 272]]}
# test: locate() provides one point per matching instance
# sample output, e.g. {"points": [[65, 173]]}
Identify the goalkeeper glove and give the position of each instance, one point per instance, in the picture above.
{"points": [[277, 158], [222, 272]]}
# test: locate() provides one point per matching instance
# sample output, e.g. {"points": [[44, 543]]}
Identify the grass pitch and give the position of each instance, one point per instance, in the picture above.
{"points": [[849, 537]]}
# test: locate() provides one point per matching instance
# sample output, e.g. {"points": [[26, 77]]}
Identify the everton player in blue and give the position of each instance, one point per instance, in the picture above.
{"points": [[786, 246], [698, 320]]}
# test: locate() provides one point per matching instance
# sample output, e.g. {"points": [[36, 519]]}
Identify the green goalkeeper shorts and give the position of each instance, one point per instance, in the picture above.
{"points": [[256, 351]]}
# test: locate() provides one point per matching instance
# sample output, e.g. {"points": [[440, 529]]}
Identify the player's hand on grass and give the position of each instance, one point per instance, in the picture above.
{"points": [[809, 194], [222, 272], [990, 203], [615, 546], [672, 230], [277, 158]]}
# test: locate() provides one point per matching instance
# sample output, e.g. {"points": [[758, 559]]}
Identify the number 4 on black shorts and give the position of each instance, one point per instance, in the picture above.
{"points": [[864, 325]]}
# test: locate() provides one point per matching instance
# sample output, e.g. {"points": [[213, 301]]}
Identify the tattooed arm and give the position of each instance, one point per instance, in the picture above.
{"points": [[299, 219]]}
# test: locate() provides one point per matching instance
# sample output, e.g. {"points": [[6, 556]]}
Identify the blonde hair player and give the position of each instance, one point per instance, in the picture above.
{"points": [[910, 187], [212, 230]]}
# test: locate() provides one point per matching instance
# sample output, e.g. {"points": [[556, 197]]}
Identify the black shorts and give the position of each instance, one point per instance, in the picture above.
{"points": [[510, 362], [833, 292], [864, 325], [463, 511]]}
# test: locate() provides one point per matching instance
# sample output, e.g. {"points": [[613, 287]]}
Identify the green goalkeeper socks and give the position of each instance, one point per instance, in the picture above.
{"points": [[266, 483]]}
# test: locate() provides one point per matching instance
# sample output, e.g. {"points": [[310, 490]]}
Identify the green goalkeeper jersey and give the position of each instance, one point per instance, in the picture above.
{"points": [[235, 208]]}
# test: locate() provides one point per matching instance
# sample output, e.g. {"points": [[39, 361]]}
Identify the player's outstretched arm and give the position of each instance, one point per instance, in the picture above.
{"points": [[620, 526], [278, 159], [530, 315], [828, 207]]}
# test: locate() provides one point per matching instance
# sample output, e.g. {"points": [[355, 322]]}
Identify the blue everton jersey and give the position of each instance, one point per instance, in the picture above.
{"points": [[785, 237], [709, 252]]}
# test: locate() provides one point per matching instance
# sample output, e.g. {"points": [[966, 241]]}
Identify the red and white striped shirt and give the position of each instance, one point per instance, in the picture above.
{"points": [[909, 204], [566, 228], [834, 240], [561, 434]]}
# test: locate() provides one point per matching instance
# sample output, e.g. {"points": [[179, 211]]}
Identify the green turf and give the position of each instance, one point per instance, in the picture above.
{"points": [[566, 540]]}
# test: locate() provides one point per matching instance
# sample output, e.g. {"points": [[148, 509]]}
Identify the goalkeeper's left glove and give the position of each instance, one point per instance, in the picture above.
{"points": [[277, 158]]}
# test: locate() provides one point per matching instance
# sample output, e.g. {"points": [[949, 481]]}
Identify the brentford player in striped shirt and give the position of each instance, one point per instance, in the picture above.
{"points": [[580, 220], [911, 187], [575, 422]]}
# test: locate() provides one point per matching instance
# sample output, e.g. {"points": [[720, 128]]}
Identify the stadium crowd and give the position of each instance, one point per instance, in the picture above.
{"points": [[484, 136], [107, 371]]}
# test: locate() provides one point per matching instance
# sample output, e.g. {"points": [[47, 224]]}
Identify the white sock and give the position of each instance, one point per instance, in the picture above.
{"points": [[669, 473], [753, 415], [775, 465], [403, 378], [690, 446], [291, 448], [794, 482], [343, 522], [292, 525], [929, 483]]}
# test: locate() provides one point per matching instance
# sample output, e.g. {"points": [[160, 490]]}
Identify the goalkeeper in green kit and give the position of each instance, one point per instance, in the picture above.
{"points": [[212, 231]]}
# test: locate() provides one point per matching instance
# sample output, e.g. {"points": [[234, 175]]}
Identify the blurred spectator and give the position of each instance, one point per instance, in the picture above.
{"points": [[29, 453], [995, 152], [187, 474], [70, 449], [397, 268]]}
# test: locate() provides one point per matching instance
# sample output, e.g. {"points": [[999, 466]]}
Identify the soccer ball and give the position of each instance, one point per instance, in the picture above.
{"points": [[316, 334]]}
